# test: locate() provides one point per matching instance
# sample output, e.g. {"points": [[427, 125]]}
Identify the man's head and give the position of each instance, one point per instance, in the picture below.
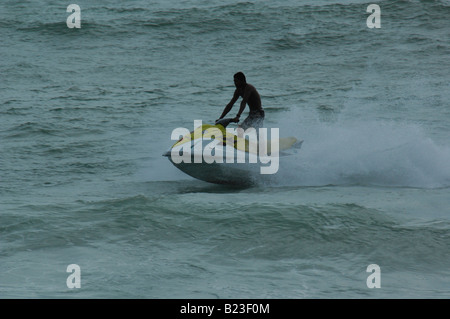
{"points": [[239, 80]]}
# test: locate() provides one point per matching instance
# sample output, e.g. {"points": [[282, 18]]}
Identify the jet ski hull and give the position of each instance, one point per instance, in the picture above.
{"points": [[213, 162], [241, 174]]}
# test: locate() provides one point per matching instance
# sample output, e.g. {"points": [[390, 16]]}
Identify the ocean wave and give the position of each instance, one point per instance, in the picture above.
{"points": [[89, 28], [347, 17], [30, 129]]}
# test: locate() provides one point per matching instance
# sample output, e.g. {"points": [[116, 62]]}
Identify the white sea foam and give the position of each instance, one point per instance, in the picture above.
{"points": [[366, 152]]}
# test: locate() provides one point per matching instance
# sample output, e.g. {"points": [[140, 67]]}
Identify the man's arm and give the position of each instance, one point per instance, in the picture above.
{"points": [[230, 105], [247, 94]]}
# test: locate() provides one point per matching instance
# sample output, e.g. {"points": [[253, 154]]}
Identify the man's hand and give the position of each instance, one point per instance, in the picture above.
{"points": [[236, 119]]}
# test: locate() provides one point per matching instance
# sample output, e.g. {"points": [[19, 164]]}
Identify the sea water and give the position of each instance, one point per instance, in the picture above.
{"points": [[86, 114]]}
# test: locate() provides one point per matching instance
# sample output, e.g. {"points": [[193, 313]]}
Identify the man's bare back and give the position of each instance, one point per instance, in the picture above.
{"points": [[249, 96], [253, 97]]}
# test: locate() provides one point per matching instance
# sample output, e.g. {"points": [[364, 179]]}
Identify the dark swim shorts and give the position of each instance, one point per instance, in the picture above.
{"points": [[255, 119]]}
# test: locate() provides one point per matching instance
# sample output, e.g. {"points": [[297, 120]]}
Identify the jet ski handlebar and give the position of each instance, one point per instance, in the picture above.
{"points": [[224, 122]]}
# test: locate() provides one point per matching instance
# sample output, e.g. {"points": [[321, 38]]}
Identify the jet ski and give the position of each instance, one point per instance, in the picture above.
{"points": [[217, 154]]}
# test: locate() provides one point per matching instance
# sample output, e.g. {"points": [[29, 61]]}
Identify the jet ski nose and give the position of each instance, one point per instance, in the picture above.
{"points": [[167, 154]]}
